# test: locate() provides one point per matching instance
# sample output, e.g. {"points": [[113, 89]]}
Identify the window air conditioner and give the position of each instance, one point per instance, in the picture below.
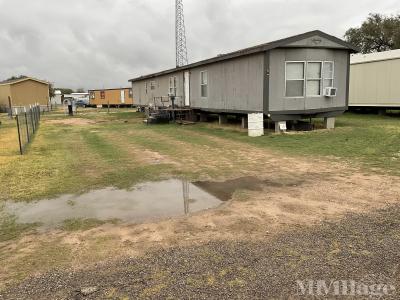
{"points": [[330, 92]]}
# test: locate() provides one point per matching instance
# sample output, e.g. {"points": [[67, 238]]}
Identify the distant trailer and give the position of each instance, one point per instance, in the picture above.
{"points": [[23, 92], [375, 80], [113, 97]]}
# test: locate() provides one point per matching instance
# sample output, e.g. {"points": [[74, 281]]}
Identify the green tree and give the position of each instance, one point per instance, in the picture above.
{"points": [[377, 33], [51, 90], [15, 78]]}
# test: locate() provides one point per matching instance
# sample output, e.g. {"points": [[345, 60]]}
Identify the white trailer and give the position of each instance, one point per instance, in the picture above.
{"points": [[375, 80]]}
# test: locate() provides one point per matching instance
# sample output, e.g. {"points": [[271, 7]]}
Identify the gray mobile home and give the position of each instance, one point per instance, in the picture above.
{"points": [[299, 77]]}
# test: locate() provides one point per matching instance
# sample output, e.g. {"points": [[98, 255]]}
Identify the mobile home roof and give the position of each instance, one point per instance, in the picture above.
{"points": [[111, 89], [252, 50], [373, 57], [18, 80]]}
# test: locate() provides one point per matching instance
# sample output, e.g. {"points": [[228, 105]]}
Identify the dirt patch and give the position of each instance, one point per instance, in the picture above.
{"points": [[72, 122], [350, 249], [256, 214], [155, 158]]}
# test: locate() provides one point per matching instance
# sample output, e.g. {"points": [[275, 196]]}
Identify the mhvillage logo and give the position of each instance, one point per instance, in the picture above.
{"points": [[365, 287]]}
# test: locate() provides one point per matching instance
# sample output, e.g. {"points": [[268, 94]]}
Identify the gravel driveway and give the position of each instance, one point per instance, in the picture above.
{"points": [[362, 248]]}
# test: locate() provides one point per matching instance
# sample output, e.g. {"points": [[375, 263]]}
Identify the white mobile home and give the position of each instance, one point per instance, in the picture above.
{"points": [[303, 76], [375, 80]]}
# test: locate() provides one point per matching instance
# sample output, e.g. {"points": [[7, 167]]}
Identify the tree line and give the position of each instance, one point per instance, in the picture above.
{"points": [[376, 34]]}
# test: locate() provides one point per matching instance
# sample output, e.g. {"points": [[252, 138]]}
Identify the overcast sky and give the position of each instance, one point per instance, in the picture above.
{"points": [[103, 43]]}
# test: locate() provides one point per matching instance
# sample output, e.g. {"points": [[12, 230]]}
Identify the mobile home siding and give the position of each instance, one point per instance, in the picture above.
{"points": [[161, 88], [23, 93], [112, 97], [375, 84], [253, 79], [277, 102], [233, 85], [5, 92], [30, 92]]}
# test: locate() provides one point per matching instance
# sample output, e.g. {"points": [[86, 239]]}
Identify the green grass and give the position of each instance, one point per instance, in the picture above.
{"points": [[84, 224], [76, 158], [369, 140], [10, 229]]}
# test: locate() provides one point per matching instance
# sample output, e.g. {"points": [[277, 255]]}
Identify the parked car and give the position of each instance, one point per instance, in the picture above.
{"points": [[80, 103]]}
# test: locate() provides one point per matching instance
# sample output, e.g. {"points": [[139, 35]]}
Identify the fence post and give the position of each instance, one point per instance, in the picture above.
{"points": [[35, 113], [26, 123], [10, 107], [32, 122], [33, 118], [38, 106], [37, 117], [19, 133]]}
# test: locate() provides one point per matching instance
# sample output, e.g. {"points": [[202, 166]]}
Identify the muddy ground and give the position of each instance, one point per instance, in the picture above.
{"points": [[362, 248], [255, 246]]}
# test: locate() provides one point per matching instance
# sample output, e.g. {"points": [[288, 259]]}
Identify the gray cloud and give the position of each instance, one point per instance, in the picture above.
{"points": [[103, 43]]}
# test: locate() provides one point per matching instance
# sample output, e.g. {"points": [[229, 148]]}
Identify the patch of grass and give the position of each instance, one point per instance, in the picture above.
{"points": [[8, 138], [99, 145], [370, 140], [49, 167], [125, 178], [84, 224], [10, 229], [73, 159]]}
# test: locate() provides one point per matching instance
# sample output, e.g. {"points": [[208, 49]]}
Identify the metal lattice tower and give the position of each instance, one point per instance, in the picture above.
{"points": [[180, 35]]}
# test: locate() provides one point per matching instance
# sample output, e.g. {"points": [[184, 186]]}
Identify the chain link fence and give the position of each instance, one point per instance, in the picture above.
{"points": [[27, 124]]}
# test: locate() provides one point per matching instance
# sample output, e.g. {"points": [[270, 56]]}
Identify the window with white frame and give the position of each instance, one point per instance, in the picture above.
{"points": [[308, 78], [204, 84], [295, 77], [329, 69], [152, 85], [172, 85], [314, 78]]}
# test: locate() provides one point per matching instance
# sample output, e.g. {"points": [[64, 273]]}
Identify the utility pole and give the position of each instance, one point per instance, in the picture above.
{"points": [[180, 35]]}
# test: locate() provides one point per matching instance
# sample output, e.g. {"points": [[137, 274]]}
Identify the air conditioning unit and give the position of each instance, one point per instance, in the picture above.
{"points": [[330, 92]]}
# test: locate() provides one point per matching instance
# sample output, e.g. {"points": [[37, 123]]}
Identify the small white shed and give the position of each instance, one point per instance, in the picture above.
{"points": [[56, 100]]}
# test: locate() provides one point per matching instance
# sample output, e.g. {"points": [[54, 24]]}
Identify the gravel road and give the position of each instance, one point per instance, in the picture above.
{"points": [[362, 248]]}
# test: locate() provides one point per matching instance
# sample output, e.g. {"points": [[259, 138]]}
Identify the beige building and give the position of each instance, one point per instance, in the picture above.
{"points": [[375, 80], [24, 91]]}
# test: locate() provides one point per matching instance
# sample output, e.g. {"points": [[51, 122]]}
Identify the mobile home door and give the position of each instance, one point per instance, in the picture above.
{"points": [[123, 96], [187, 88]]}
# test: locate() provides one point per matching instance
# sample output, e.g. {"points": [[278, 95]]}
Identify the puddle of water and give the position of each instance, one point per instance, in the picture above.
{"points": [[224, 190], [146, 201]]}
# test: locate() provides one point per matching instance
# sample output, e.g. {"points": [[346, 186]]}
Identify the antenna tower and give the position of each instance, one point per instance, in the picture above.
{"points": [[180, 35]]}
